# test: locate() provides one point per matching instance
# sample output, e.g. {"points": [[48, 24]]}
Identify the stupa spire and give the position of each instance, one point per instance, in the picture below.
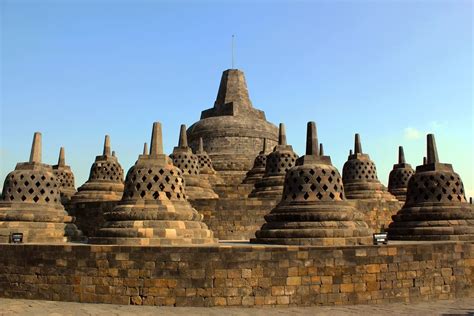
{"points": [[282, 135], [145, 148], [357, 145], [432, 152], [106, 146], [35, 155], [321, 149], [233, 89], [401, 155], [183, 139], [156, 145], [62, 157], [201, 145], [311, 140]]}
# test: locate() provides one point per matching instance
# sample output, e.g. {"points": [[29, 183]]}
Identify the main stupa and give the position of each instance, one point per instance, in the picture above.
{"points": [[233, 130]]}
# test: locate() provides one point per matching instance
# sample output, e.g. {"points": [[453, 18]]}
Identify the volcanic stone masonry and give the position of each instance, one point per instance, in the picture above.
{"points": [[313, 210], [399, 177], [436, 207], [233, 130], [154, 209], [258, 170], [31, 203], [197, 186], [279, 161], [206, 170], [99, 194], [65, 178], [359, 175]]}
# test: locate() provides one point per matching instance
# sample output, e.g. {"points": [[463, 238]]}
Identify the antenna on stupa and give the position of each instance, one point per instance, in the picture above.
{"points": [[35, 155], [156, 145], [106, 146], [232, 51], [282, 135], [357, 145], [432, 152], [183, 138], [311, 140], [62, 157], [401, 155]]}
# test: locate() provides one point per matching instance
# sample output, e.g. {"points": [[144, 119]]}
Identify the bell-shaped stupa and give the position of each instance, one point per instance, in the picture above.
{"points": [[399, 177], [206, 168], [436, 207], [360, 176], [258, 170], [154, 209], [313, 209], [233, 130], [31, 203], [105, 179], [197, 187], [278, 162], [65, 178]]}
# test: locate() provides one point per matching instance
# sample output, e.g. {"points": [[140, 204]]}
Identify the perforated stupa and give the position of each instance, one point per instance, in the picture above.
{"points": [[278, 162], [436, 207], [258, 170], [197, 186], [313, 209], [206, 168], [65, 178], [105, 179], [360, 176], [399, 177], [154, 209], [31, 203]]}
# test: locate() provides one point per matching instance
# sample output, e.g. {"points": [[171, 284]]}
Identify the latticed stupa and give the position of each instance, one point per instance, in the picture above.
{"points": [[31, 203], [436, 207], [258, 170], [399, 177], [65, 178], [360, 176], [278, 162], [197, 186], [105, 179], [154, 209], [206, 169], [233, 130], [313, 209]]}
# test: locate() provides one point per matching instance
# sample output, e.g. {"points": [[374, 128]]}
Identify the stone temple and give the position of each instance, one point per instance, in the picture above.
{"points": [[233, 130], [235, 218]]}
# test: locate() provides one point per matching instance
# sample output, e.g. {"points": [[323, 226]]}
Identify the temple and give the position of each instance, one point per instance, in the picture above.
{"points": [[399, 177], [65, 178]]}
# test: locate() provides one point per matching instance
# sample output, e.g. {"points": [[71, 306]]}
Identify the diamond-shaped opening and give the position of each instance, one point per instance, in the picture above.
{"points": [[459, 197], [452, 178], [161, 171], [162, 186], [11, 197], [155, 178], [27, 183], [311, 172], [138, 186], [312, 187], [167, 179], [36, 199], [168, 195], [306, 196], [32, 177], [144, 178], [330, 179], [325, 187], [306, 179], [323, 171], [149, 186], [150, 171], [318, 179], [300, 187], [142, 193], [156, 195], [31, 191], [42, 191], [319, 196], [335, 187], [21, 177], [450, 197], [47, 199], [439, 196], [18, 190], [332, 196]]}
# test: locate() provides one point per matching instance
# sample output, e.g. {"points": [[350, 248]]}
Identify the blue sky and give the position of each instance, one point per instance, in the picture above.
{"points": [[392, 71]]}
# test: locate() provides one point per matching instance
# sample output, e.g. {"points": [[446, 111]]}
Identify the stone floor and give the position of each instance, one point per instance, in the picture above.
{"points": [[29, 307]]}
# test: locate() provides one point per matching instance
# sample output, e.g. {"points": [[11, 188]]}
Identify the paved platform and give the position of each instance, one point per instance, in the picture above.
{"points": [[29, 307]]}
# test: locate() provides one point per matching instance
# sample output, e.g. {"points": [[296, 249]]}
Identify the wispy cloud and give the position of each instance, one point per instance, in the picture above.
{"points": [[412, 133]]}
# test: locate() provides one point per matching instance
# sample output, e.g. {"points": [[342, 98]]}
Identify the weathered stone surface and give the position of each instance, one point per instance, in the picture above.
{"points": [[258, 170], [65, 178], [197, 186], [205, 165], [31, 203], [105, 181], [313, 209], [233, 130], [436, 207], [399, 177], [238, 274], [154, 209], [279, 161], [359, 175]]}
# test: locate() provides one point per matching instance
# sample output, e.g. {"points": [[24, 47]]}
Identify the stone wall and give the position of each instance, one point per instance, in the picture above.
{"points": [[89, 216], [377, 213], [235, 275]]}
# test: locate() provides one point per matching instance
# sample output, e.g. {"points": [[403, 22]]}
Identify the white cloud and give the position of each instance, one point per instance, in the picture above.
{"points": [[412, 133]]}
